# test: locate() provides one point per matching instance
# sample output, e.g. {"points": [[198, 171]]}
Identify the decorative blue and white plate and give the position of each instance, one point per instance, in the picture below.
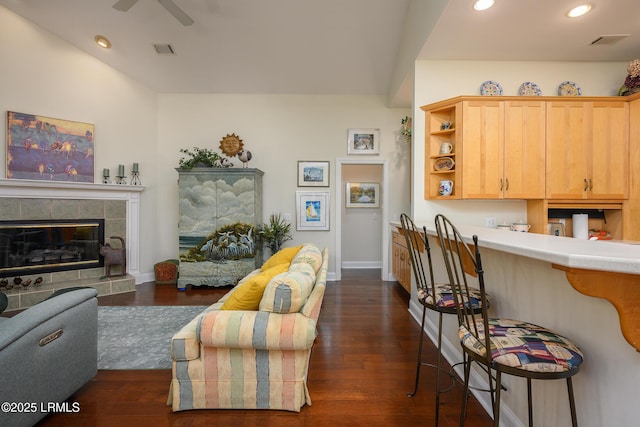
{"points": [[490, 88], [529, 89], [569, 89]]}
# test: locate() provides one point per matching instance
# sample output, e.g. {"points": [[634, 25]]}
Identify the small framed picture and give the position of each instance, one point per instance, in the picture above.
{"points": [[363, 195], [312, 210], [313, 174], [363, 141]]}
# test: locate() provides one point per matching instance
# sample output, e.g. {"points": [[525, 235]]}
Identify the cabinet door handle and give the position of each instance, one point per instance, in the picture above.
{"points": [[501, 184], [507, 186], [401, 256], [586, 184], [590, 185]]}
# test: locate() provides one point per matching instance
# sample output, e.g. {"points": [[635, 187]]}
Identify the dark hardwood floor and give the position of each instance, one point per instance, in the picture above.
{"points": [[362, 367]]}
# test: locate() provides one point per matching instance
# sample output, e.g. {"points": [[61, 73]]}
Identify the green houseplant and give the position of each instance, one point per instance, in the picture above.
{"points": [[275, 232], [202, 157]]}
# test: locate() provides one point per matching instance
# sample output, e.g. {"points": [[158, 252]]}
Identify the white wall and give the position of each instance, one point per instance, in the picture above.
{"points": [[43, 75], [438, 80], [279, 130]]}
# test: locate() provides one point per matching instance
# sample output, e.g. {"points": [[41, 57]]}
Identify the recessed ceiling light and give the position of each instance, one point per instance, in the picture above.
{"points": [[482, 4], [579, 10], [103, 42]]}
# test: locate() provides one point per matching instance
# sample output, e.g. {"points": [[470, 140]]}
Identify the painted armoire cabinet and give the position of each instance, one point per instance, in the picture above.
{"points": [[219, 210]]}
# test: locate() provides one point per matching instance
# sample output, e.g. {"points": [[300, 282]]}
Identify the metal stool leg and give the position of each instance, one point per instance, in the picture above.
{"points": [[465, 390], [530, 401], [438, 367], [495, 401], [419, 364], [572, 403]]}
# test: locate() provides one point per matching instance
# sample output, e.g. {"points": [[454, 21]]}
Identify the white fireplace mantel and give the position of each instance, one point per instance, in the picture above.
{"points": [[34, 189]]}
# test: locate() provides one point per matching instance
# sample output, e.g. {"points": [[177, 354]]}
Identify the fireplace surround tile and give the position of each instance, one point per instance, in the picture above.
{"points": [[115, 209], [92, 208], [35, 209], [66, 209], [10, 209]]}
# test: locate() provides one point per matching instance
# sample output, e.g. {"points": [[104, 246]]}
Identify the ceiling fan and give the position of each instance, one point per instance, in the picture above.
{"points": [[172, 8]]}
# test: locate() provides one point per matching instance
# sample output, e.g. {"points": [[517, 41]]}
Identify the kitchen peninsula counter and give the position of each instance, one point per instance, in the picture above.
{"points": [[604, 255]]}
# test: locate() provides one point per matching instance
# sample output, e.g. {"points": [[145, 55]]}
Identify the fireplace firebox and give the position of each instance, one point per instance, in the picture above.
{"points": [[43, 246]]}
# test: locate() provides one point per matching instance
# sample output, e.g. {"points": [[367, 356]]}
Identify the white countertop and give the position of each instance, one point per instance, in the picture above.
{"points": [[566, 251]]}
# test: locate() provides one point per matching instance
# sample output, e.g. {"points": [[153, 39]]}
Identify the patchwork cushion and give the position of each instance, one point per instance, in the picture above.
{"points": [[248, 294], [309, 254], [287, 292], [525, 346], [444, 297], [283, 256]]}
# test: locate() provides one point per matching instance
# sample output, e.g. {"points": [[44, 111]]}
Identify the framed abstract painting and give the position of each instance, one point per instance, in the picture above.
{"points": [[44, 148]]}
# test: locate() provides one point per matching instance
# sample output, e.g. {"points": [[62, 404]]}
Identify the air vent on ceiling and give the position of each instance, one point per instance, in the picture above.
{"points": [[164, 49], [609, 39]]}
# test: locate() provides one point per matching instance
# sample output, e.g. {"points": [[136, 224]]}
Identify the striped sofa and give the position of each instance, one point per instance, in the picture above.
{"points": [[253, 359]]}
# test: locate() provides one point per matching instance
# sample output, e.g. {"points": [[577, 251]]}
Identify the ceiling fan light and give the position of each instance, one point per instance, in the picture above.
{"points": [[482, 4], [583, 9], [103, 42]]}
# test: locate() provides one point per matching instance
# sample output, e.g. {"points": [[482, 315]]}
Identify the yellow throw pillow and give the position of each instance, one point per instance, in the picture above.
{"points": [[248, 294], [281, 257]]}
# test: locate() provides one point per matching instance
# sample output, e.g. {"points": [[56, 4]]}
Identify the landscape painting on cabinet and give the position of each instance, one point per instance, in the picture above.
{"points": [[45, 148]]}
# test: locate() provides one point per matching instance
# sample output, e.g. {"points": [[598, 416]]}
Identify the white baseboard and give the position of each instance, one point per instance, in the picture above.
{"points": [[361, 264]]}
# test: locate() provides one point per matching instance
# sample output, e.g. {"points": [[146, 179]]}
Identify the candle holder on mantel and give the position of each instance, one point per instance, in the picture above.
{"points": [[135, 175], [105, 176], [122, 178]]}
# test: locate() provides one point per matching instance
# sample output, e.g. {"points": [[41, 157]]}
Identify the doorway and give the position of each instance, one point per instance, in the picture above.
{"points": [[361, 226]]}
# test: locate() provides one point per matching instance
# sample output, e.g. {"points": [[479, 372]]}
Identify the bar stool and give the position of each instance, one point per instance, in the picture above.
{"points": [[515, 347], [431, 295]]}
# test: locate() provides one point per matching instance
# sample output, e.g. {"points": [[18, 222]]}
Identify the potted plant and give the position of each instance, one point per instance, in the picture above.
{"points": [[276, 232], [202, 157]]}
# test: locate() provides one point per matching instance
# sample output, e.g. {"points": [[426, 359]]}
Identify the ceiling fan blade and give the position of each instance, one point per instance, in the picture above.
{"points": [[124, 5], [177, 13]]}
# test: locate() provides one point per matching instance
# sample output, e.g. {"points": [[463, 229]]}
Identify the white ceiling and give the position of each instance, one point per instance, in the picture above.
{"points": [[323, 46]]}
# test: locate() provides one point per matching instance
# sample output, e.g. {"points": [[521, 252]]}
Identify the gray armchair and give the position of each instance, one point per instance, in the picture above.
{"points": [[48, 352]]}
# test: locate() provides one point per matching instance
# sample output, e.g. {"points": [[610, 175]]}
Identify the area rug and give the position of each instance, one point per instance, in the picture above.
{"points": [[139, 337]]}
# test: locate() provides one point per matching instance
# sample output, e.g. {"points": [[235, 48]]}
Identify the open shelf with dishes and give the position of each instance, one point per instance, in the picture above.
{"points": [[442, 142]]}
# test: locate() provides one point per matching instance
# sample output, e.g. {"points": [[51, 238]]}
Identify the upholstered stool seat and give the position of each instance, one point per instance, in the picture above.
{"points": [[521, 345], [444, 297]]}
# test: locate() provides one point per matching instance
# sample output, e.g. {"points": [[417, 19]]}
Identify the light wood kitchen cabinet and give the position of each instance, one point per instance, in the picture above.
{"points": [[400, 261], [587, 150], [524, 150], [504, 149], [482, 156], [631, 207]]}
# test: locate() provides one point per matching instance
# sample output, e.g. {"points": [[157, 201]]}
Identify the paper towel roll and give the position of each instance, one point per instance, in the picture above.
{"points": [[581, 226]]}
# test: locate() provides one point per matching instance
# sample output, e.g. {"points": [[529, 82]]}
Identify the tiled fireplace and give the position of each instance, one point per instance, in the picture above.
{"points": [[116, 205]]}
